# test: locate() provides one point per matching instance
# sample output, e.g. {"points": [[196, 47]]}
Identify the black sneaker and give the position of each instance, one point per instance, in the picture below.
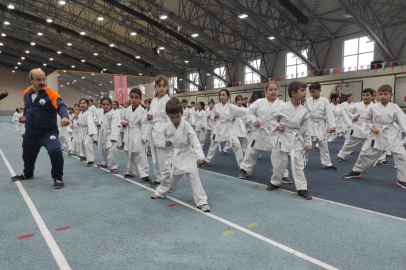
{"points": [[155, 184], [304, 194], [316, 148], [205, 164], [127, 175], [331, 168], [383, 163], [146, 179], [21, 177], [401, 184], [69, 152], [271, 187], [58, 184], [389, 156], [352, 174], [340, 159], [90, 164], [83, 159], [287, 180], [242, 174]]}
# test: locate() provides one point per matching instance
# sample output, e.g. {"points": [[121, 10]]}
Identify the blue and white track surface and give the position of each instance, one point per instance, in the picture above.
{"points": [[102, 221]]}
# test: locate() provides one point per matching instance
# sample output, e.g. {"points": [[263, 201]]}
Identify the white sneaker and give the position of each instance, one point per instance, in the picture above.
{"points": [[154, 196], [204, 208]]}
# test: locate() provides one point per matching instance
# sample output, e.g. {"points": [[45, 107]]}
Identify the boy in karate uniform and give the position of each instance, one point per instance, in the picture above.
{"points": [[320, 111], [357, 134], [292, 140], [382, 119], [188, 115], [134, 117], [183, 149]]}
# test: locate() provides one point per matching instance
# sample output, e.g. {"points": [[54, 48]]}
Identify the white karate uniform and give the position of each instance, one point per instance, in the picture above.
{"points": [[120, 127], [189, 116], [108, 131], [347, 106], [64, 135], [343, 122], [240, 130], [290, 144], [321, 118], [87, 127], [93, 109], [155, 136], [200, 126], [388, 120], [76, 139], [15, 121], [181, 159], [263, 138], [20, 126], [134, 148], [357, 133], [222, 131]]}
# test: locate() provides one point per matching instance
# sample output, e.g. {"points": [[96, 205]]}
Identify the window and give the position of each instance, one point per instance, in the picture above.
{"points": [[174, 85], [358, 52], [142, 88], [221, 71], [295, 65], [250, 76], [194, 77]]}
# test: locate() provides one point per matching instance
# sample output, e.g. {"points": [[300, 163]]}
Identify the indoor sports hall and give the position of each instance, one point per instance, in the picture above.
{"points": [[100, 218]]}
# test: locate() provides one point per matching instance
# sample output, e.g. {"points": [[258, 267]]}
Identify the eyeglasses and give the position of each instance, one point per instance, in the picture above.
{"points": [[40, 80]]}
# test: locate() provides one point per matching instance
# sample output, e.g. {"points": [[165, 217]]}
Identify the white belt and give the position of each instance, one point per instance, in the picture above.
{"points": [[173, 158], [294, 132]]}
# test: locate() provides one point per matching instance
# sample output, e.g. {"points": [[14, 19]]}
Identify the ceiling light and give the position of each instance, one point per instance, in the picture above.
{"points": [[73, 66], [18, 63], [194, 35], [62, 3], [3, 35], [112, 45], [140, 74], [118, 64], [51, 59], [40, 34], [133, 33], [44, 64], [83, 77], [32, 43], [100, 84], [49, 20], [208, 74], [138, 57], [186, 61], [13, 71], [15, 67], [1, 44], [6, 23], [82, 33], [104, 69], [10, 6], [163, 17], [162, 48], [95, 54], [67, 83], [64, 71], [58, 52], [61, 85], [83, 60], [180, 79], [271, 37], [347, 16], [22, 57], [242, 16], [69, 44], [100, 18], [92, 73], [27, 51]]}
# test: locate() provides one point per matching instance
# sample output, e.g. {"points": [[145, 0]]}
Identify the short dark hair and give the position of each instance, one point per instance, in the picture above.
{"points": [[76, 105], [17, 110], [115, 102], [193, 102], [314, 85], [348, 96], [385, 87], [245, 98], [148, 100], [202, 103], [87, 101], [21, 108], [333, 96], [184, 101], [295, 86], [136, 91], [106, 98], [211, 101], [239, 96], [90, 99], [368, 90], [225, 90], [279, 95], [174, 106]]}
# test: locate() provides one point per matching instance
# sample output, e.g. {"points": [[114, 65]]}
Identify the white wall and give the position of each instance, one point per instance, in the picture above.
{"points": [[16, 83], [52, 81]]}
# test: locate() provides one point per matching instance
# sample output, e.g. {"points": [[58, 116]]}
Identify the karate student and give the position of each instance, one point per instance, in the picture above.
{"points": [[293, 138], [116, 108], [87, 131], [15, 119], [357, 133], [348, 104], [108, 124], [76, 142], [158, 118], [239, 127], [188, 115], [147, 106], [134, 147], [321, 123], [382, 119], [193, 109], [261, 115], [210, 121], [223, 113], [201, 123], [183, 150], [93, 110], [343, 122], [21, 126], [64, 135]]}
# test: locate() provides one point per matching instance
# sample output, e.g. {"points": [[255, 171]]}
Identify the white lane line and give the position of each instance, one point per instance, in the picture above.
{"points": [[235, 226], [56, 252], [321, 199], [8, 128]]}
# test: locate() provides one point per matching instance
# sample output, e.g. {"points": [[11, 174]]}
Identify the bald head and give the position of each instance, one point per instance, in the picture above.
{"points": [[37, 79]]}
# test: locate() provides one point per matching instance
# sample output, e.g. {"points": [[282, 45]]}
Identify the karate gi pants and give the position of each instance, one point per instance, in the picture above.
{"points": [[235, 146], [244, 145], [159, 166], [76, 148], [349, 146], [31, 148], [324, 153], [109, 156], [65, 139], [16, 126], [87, 148], [131, 158], [199, 195], [201, 136], [250, 160], [369, 156], [280, 161], [21, 128]]}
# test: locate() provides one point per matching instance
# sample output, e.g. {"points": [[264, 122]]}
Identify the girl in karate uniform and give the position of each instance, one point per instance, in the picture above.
{"points": [[201, 123], [21, 126], [210, 121], [223, 113], [115, 107], [64, 135], [239, 127], [87, 130], [348, 104], [343, 122], [158, 118], [76, 143], [15, 118], [107, 143]]}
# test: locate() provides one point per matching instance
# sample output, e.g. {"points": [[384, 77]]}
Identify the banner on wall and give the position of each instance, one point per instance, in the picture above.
{"points": [[400, 95], [342, 89], [120, 89]]}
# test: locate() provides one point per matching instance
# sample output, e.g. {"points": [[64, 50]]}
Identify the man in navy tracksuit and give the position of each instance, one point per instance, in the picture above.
{"points": [[41, 105], [3, 95]]}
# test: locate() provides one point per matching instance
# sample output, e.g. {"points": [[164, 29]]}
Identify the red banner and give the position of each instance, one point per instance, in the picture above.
{"points": [[338, 70], [120, 89]]}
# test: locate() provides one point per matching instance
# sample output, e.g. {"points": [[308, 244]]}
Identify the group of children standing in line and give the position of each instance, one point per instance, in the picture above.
{"points": [[177, 134]]}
